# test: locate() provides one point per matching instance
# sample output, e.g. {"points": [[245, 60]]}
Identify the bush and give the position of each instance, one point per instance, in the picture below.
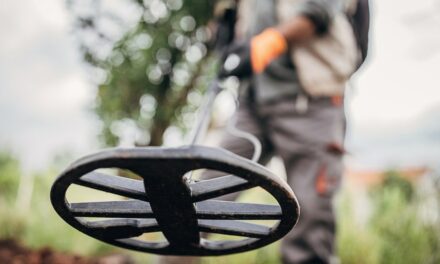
{"points": [[9, 176], [38, 225], [355, 242], [394, 233]]}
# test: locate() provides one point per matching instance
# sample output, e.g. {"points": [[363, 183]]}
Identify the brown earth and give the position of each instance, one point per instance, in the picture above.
{"points": [[11, 252]]}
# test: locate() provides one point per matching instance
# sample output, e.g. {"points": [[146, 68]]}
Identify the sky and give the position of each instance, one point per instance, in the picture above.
{"points": [[401, 79], [46, 93]]}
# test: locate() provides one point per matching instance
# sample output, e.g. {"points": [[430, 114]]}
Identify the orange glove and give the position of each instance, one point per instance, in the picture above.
{"points": [[266, 47]]}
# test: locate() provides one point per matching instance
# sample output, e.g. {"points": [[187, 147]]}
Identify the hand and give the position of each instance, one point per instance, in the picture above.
{"points": [[236, 61], [252, 57]]}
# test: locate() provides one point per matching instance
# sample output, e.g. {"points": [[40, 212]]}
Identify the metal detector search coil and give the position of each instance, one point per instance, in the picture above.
{"points": [[164, 201]]}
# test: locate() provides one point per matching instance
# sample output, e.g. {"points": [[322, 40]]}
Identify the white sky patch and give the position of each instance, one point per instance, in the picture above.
{"points": [[45, 95], [397, 83]]}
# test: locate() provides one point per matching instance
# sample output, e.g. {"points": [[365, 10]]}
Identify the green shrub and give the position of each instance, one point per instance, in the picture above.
{"points": [[9, 176], [355, 243], [394, 233], [38, 225]]}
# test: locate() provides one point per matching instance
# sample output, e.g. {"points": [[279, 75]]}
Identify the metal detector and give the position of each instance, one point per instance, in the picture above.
{"points": [[167, 200]]}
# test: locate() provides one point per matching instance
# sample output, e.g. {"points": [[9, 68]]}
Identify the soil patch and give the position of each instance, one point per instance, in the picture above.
{"points": [[12, 252]]}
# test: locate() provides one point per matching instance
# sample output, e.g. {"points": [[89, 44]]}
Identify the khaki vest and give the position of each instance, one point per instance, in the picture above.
{"points": [[324, 63]]}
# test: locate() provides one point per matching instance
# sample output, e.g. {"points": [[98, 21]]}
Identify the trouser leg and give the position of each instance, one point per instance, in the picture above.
{"points": [[309, 144], [314, 179]]}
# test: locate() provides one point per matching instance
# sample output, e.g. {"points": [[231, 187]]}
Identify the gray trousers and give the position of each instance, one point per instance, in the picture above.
{"points": [[310, 145]]}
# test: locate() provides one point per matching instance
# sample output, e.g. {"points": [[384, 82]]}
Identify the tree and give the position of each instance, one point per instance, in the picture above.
{"points": [[149, 63]]}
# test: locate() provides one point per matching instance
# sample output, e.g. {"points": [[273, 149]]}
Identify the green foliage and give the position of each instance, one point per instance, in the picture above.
{"points": [[37, 224], [12, 224], [9, 176], [152, 70], [356, 243], [404, 237], [45, 228], [395, 232], [394, 182]]}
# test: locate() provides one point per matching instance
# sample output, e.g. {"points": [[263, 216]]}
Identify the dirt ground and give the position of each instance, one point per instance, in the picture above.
{"points": [[11, 252]]}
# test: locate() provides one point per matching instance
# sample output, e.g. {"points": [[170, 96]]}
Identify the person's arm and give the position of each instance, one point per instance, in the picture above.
{"points": [[298, 29], [313, 18]]}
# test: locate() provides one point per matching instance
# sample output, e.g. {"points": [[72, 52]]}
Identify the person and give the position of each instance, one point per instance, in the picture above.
{"points": [[305, 126], [293, 58]]}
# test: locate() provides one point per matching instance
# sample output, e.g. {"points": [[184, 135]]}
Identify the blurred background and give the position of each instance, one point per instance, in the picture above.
{"points": [[78, 76]]}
